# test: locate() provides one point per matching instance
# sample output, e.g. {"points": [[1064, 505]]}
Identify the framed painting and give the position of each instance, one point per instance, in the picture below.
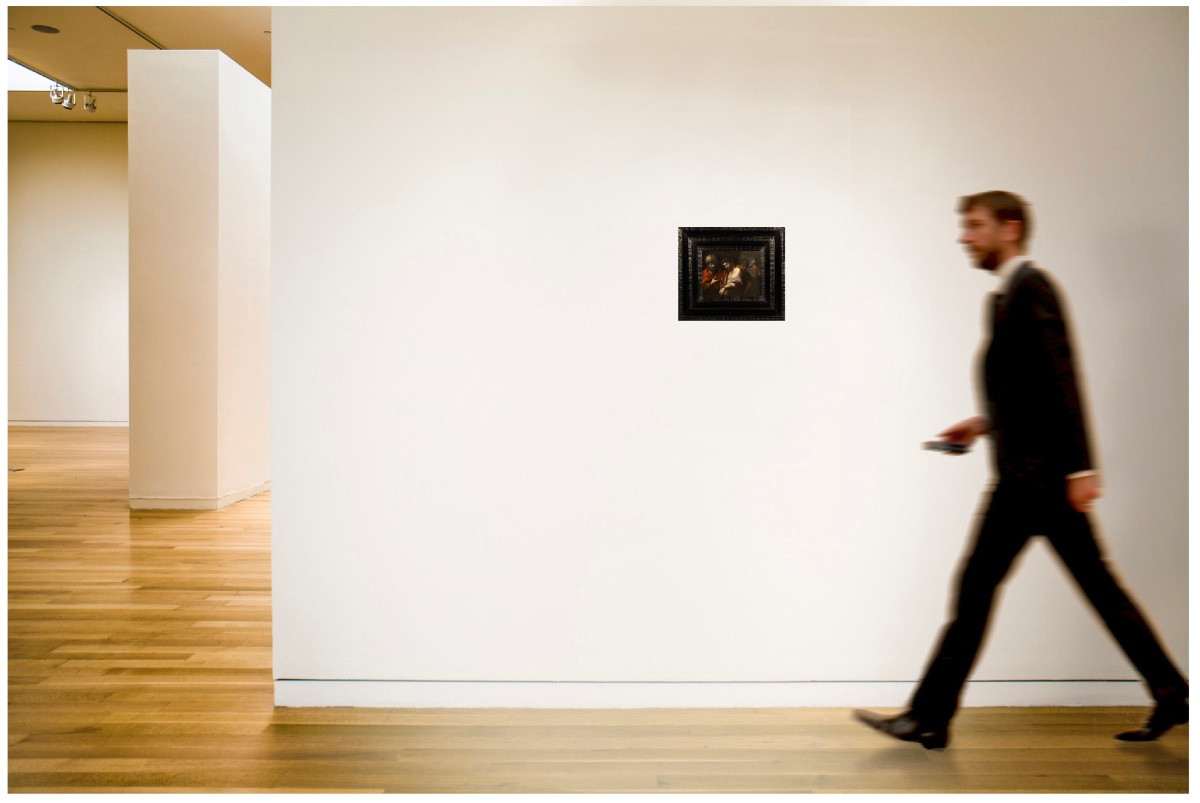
{"points": [[731, 274]]}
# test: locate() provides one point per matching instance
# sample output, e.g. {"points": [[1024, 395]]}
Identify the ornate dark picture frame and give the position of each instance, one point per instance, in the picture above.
{"points": [[731, 274]]}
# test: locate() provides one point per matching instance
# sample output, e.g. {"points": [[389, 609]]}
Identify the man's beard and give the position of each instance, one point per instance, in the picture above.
{"points": [[989, 261]]}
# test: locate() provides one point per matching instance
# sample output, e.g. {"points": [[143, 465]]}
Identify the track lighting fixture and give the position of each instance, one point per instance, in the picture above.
{"points": [[67, 98]]}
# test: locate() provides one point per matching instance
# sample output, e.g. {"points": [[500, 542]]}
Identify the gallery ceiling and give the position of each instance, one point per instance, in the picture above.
{"points": [[89, 50]]}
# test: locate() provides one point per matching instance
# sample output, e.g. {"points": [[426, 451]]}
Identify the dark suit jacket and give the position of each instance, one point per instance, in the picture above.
{"points": [[1037, 420]]}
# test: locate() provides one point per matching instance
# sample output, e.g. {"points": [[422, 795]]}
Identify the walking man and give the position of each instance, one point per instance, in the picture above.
{"points": [[1046, 484]]}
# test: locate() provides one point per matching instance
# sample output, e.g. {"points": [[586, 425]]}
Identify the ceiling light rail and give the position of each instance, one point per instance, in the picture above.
{"points": [[132, 28]]}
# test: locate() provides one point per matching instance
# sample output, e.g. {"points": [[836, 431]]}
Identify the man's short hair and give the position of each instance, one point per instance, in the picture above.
{"points": [[1003, 205]]}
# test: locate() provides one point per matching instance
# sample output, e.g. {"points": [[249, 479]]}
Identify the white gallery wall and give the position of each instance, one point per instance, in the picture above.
{"points": [[199, 268], [505, 474], [68, 273]]}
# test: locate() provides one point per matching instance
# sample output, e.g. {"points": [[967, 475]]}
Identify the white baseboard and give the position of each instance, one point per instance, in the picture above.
{"points": [[68, 423], [193, 503], [433, 694]]}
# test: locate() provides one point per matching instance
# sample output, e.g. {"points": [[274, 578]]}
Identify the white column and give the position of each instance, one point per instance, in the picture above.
{"points": [[199, 268]]}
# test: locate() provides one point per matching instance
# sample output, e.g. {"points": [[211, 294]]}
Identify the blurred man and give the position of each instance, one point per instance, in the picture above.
{"points": [[1046, 484]]}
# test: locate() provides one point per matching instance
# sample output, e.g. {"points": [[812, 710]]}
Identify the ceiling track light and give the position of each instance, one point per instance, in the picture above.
{"points": [[66, 97]]}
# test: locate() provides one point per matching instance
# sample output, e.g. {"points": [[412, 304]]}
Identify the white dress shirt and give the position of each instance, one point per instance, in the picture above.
{"points": [[1005, 272]]}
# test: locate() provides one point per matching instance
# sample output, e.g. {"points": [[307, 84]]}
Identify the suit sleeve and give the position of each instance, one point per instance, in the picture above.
{"points": [[1065, 407]]}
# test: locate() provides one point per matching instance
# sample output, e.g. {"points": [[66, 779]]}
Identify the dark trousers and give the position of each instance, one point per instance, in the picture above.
{"points": [[1017, 511]]}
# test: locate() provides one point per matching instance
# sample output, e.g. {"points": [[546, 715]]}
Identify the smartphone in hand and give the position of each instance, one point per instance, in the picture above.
{"points": [[946, 446]]}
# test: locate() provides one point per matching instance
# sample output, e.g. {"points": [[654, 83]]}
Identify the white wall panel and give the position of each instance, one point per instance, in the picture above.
{"points": [[199, 263], [68, 274], [244, 291], [498, 455], [173, 253]]}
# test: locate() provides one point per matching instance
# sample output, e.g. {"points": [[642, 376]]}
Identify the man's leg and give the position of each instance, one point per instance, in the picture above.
{"points": [[1075, 543], [1001, 534]]}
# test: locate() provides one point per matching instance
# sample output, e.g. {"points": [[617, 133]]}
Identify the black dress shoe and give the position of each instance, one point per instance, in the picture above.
{"points": [[1165, 716], [907, 729]]}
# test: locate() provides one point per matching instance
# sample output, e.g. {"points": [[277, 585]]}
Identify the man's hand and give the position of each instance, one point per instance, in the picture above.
{"points": [[965, 432], [1082, 491]]}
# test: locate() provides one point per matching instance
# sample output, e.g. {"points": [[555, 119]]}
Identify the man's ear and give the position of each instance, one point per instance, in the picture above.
{"points": [[1011, 230]]}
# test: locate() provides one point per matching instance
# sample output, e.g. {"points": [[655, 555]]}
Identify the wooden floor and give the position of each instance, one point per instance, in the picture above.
{"points": [[140, 654]]}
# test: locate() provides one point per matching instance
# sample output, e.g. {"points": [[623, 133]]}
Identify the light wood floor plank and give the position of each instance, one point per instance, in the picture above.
{"points": [[139, 661]]}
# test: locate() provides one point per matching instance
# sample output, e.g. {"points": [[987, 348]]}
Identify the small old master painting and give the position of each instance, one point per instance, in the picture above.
{"points": [[730, 274]]}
